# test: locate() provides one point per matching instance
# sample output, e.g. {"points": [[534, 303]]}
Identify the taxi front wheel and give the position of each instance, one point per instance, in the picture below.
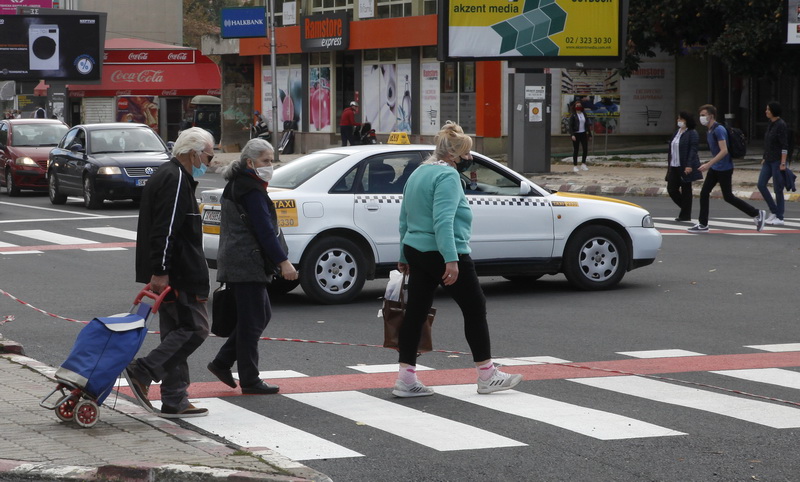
{"points": [[333, 270], [596, 258]]}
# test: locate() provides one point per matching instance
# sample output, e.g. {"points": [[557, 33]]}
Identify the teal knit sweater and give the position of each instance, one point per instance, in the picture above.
{"points": [[435, 215]]}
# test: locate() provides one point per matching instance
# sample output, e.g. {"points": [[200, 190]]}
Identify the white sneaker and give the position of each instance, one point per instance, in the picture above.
{"points": [[403, 390], [777, 222], [574, 168], [584, 167], [499, 381], [770, 219]]}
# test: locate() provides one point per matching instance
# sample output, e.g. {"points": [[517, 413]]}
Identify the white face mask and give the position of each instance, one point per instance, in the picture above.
{"points": [[265, 173], [704, 120], [681, 124]]}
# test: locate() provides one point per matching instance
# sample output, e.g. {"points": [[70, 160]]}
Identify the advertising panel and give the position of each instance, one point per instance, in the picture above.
{"points": [[793, 22], [62, 47], [430, 98], [532, 28], [387, 100], [243, 22], [9, 7]]}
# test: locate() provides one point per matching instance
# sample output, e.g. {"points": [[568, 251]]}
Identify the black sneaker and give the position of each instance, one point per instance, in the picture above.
{"points": [[261, 388], [188, 412], [759, 219], [139, 389], [698, 228], [225, 376]]}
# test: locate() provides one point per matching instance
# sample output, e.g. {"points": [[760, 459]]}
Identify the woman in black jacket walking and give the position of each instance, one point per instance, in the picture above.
{"points": [[682, 162]]}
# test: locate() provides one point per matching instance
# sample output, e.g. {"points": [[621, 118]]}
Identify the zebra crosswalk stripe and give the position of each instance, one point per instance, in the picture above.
{"points": [[773, 376], [115, 232], [586, 421], [50, 237], [755, 411], [426, 429]]}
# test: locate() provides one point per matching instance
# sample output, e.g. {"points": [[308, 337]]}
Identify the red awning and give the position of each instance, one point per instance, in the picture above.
{"points": [[153, 79]]}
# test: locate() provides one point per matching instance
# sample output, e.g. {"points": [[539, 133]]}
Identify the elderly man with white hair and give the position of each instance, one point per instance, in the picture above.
{"points": [[169, 252]]}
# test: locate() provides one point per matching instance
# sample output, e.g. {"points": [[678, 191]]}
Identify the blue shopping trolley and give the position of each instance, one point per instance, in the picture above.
{"points": [[102, 350]]}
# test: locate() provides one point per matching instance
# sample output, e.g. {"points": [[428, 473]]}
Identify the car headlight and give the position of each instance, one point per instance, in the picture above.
{"points": [[647, 222], [25, 161], [108, 170]]}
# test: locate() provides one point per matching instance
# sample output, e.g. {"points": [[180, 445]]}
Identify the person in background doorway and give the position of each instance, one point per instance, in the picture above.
{"points": [[719, 170], [40, 113], [776, 150], [580, 129], [348, 123], [683, 163]]}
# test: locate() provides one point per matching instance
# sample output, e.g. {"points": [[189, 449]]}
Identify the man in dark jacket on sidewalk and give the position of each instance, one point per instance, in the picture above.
{"points": [[169, 252]]}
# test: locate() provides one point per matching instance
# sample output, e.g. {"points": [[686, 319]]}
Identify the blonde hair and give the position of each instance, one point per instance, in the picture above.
{"points": [[451, 140]]}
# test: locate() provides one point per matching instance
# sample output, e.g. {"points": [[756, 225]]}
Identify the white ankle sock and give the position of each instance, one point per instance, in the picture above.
{"points": [[407, 375], [486, 370]]}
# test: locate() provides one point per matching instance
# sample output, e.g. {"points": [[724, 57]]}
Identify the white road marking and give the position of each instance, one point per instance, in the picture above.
{"points": [[9, 245], [773, 376], [659, 353], [115, 232], [585, 421], [388, 368], [778, 348], [749, 410], [432, 431], [50, 237], [528, 360]]}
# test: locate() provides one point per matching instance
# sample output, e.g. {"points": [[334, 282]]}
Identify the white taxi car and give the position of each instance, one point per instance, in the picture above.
{"points": [[339, 211]]}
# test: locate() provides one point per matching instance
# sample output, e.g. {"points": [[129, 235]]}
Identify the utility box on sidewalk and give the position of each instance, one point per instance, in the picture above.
{"points": [[529, 122]]}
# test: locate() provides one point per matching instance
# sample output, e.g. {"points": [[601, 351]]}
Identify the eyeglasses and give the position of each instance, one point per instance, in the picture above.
{"points": [[210, 156]]}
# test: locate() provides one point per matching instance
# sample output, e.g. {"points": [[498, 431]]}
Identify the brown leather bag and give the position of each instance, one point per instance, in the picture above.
{"points": [[393, 314]]}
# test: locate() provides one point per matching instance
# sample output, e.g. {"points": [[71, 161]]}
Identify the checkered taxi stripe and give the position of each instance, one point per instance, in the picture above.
{"points": [[473, 200]]}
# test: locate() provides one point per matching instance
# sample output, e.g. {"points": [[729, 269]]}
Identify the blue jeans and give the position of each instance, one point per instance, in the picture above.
{"points": [[772, 170]]}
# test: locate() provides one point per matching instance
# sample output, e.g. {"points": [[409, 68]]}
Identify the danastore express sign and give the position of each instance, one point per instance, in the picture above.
{"points": [[320, 33]]}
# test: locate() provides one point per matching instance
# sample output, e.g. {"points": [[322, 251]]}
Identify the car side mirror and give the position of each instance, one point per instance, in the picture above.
{"points": [[525, 189], [170, 145], [77, 148]]}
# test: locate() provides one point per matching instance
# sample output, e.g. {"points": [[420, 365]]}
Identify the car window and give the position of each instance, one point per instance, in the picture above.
{"points": [[38, 135], [482, 178], [295, 173], [388, 173], [123, 140], [68, 139], [3, 133], [80, 138]]}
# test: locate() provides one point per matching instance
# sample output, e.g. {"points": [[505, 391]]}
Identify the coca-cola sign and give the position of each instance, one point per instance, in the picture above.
{"points": [[143, 76], [185, 56]]}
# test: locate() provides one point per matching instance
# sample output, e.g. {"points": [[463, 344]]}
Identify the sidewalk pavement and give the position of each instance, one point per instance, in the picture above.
{"points": [[621, 174], [127, 443]]}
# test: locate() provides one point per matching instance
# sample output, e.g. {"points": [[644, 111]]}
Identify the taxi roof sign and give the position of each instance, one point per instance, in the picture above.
{"points": [[398, 138]]}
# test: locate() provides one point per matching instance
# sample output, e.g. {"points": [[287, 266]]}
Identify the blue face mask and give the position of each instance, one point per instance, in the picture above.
{"points": [[199, 171]]}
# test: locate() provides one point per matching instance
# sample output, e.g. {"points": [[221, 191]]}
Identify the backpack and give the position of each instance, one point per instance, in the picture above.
{"points": [[737, 142]]}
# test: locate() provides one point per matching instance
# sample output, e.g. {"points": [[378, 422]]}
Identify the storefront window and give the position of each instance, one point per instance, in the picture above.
{"points": [[321, 6], [319, 92], [394, 8], [458, 94], [429, 7]]}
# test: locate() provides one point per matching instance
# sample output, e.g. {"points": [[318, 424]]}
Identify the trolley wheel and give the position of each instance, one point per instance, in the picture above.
{"points": [[86, 413], [66, 409]]}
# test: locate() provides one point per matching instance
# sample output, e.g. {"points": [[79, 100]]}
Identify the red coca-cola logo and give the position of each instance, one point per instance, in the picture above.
{"points": [[177, 56], [137, 56], [169, 92], [122, 104], [152, 76]]}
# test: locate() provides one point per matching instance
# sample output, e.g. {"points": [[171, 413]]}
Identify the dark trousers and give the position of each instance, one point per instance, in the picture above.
{"points": [[772, 170], [680, 191], [724, 179], [348, 136], [253, 315], [427, 269], [582, 140], [183, 323]]}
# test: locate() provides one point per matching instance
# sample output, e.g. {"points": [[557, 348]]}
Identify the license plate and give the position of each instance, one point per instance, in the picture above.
{"points": [[212, 217], [141, 182]]}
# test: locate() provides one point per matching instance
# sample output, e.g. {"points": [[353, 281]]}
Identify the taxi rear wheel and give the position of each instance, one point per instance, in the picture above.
{"points": [[333, 270], [596, 258]]}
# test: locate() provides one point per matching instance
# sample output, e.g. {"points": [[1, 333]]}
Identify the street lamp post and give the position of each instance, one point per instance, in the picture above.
{"points": [[270, 21]]}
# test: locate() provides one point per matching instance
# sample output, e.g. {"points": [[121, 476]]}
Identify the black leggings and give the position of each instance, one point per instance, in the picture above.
{"points": [[582, 140], [427, 269]]}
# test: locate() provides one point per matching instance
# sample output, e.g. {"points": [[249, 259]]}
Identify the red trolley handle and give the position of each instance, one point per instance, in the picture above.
{"points": [[146, 291]]}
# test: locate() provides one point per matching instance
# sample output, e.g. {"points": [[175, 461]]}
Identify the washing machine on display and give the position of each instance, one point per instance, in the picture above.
{"points": [[43, 47]]}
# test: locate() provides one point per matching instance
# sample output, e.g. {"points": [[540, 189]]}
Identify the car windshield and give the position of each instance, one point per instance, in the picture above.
{"points": [[124, 140], [295, 173], [41, 135]]}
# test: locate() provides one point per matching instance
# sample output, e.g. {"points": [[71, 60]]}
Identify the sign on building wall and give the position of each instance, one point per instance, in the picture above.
{"points": [[793, 22], [290, 13], [366, 8], [324, 32], [429, 107], [243, 22]]}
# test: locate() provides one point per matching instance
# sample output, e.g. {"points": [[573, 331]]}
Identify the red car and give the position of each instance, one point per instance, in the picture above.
{"points": [[25, 145]]}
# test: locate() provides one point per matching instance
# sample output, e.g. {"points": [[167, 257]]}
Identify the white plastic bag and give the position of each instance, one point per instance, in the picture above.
{"points": [[394, 286]]}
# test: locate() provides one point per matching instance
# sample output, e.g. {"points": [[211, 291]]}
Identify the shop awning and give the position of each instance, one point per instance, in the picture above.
{"points": [[146, 68]]}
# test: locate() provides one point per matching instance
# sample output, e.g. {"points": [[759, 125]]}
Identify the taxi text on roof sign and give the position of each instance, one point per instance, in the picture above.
{"points": [[398, 138]]}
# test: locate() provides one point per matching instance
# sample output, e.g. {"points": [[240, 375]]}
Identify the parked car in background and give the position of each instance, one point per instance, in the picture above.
{"points": [[25, 145], [104, 161], [339, 210]]}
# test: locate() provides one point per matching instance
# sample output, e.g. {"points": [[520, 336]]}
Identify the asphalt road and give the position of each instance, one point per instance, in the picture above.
{"points": [[715, 295]]}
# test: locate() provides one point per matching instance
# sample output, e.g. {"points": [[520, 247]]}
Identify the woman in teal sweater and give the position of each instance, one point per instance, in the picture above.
{"points": [[435, 227]]}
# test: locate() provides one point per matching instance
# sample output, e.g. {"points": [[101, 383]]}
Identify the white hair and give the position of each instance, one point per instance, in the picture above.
{"points": [[192, 139], [254, 149]]}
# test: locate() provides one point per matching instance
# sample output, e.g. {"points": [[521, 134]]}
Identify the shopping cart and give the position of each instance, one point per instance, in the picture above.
{"points": [[103, 349]]}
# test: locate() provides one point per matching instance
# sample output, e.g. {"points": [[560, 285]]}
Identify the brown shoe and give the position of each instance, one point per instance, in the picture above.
{"points": [[139, 389], [188, 412]]}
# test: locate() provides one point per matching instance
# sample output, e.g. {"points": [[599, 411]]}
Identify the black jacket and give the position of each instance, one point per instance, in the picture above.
{"points": [[169, 238], [776, 139], [687, 153], [575, 124]]}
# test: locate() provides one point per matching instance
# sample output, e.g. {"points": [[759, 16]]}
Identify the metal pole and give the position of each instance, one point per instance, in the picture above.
{"points": [[272, 63]]}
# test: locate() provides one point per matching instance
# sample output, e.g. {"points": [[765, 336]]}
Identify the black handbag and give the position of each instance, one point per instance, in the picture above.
{"points": [[223, 311]]}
